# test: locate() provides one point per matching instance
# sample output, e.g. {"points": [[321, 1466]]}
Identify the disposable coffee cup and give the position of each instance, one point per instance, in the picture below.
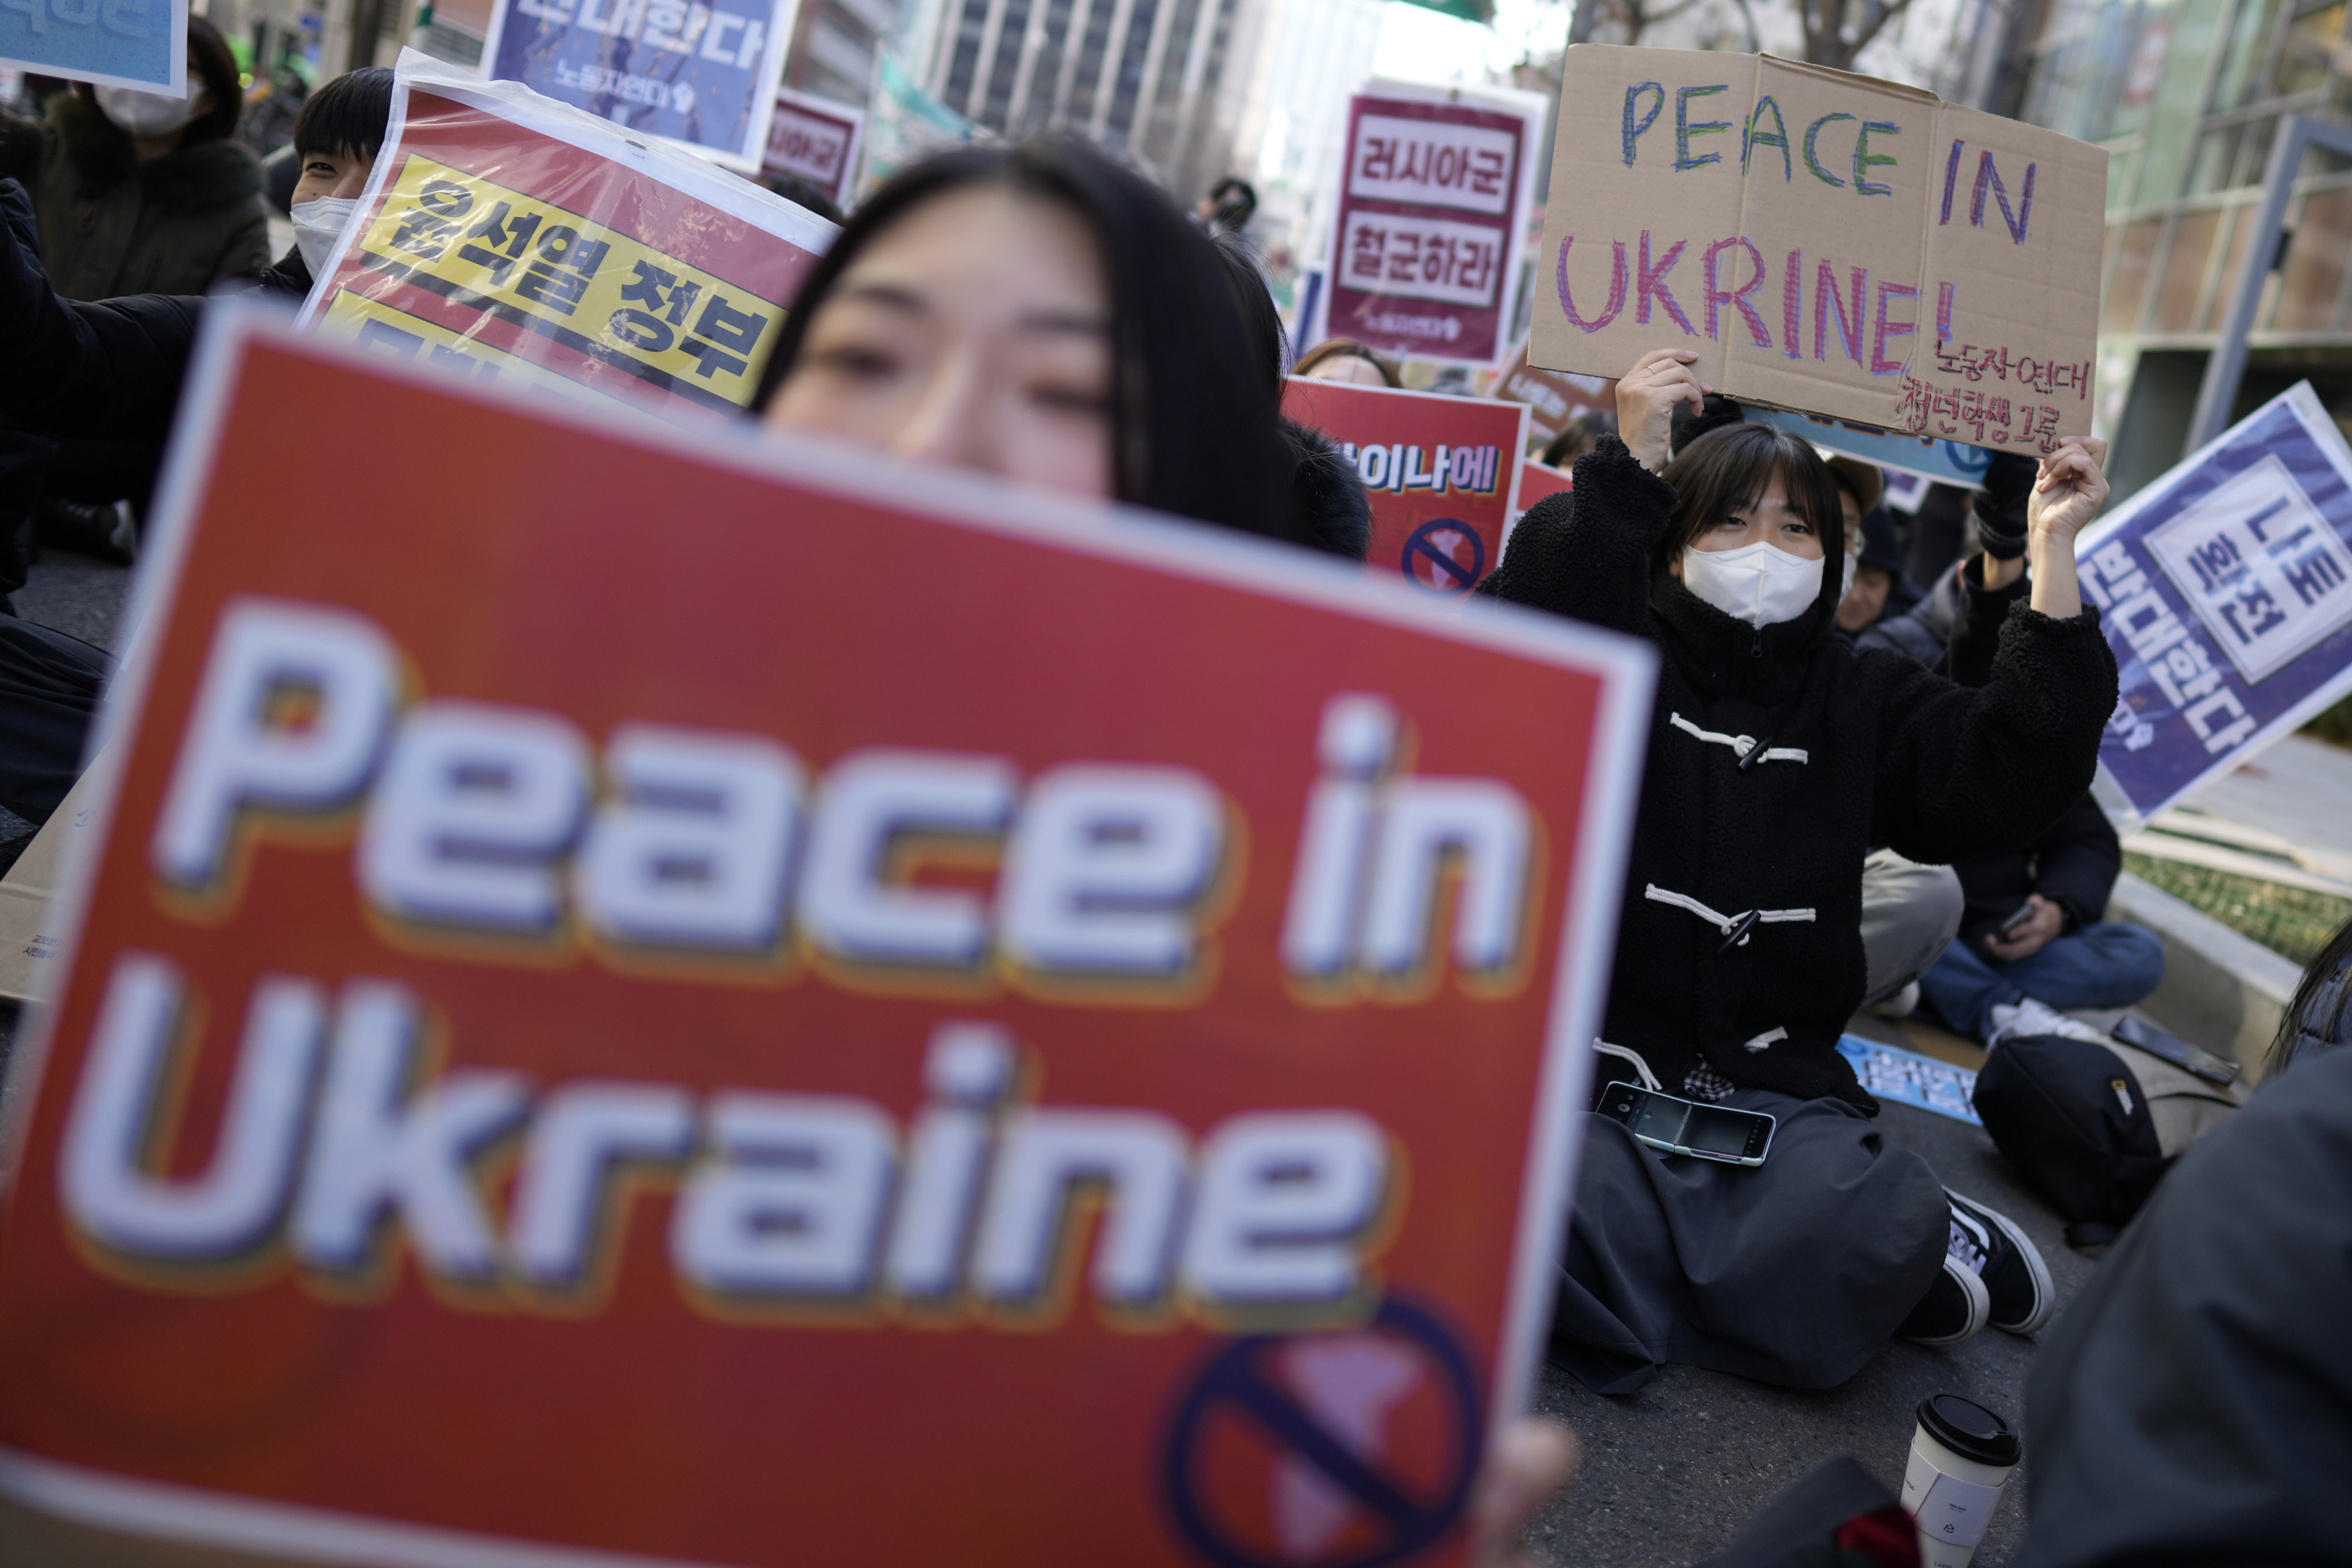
{"points": [[1961, 1455]]}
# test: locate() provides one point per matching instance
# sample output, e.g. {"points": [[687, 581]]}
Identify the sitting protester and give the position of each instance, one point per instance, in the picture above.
{"points": [[2194, 1405], [1777, 757], [109, 371], [1576, 438], [1880, 589], [2033, 941], [1039, 313]]}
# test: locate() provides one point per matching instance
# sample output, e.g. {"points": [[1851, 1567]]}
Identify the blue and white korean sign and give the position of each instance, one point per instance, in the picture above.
{"points": [[703, 75], [2226, 591], [113, 43]]}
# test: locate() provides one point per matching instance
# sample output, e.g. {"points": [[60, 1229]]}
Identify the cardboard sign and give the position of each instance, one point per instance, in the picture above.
{"points": [[1441, 474], [1552, 399], [1827, 243], [526, 242], [1427, 241], [112, 43], [2227, 593], [702, 75], [1945, 461], [817, 139], [579, 1054], [32, 931]]}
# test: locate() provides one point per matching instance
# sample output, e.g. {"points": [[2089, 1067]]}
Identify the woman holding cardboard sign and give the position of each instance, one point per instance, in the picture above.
{"points": [[1777, 756]]}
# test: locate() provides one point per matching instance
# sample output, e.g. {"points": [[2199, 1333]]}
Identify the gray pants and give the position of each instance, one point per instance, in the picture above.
{"points": [[1910, 913], [1793, 1272]]}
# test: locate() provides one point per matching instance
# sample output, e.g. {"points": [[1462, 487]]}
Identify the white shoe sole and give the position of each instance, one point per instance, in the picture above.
{"points": [[1980, 1306], [2044, 1291]]}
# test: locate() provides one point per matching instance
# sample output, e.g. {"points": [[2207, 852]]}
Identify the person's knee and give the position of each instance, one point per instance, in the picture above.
{"points": [[2135, 956]]}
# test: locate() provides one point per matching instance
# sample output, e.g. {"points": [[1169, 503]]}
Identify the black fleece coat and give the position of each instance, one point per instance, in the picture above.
{"points": [[1327, 495], [1850, 750]]}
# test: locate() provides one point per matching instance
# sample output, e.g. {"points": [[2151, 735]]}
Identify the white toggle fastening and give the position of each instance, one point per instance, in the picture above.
{"points": [[1764, 1039], [1740, 744], [1725, 923], [1649, 1078]]}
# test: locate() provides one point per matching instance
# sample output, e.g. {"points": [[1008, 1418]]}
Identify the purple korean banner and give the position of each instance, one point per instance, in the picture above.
{"points": [[2226, 591], [1431, 202]]}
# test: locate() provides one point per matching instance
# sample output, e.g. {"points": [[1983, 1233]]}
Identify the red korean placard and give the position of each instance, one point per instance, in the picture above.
{"points": [[1441, 474], [914, 1022]]}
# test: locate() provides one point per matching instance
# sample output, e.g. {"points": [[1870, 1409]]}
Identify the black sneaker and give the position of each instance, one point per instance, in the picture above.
{"points": [[107, 530], [2014, 1276], [1954, 1308]]}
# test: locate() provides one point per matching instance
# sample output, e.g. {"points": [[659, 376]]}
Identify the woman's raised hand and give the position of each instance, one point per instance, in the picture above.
{"points": [[2069, 488], [2066, 494], [1647, 395]]}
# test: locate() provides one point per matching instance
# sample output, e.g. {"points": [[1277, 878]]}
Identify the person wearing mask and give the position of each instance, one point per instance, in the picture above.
{"points": [[2194, 1405], [1228, 208], [94, 384], [140, 193], [1777, 757], [1345, 359]]}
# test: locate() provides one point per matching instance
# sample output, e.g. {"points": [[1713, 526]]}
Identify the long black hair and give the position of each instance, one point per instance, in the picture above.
{"points": [[1192, 414], [2320, 1017]]}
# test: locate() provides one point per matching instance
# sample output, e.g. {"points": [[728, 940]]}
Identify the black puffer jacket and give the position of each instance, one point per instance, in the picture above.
{"points": [[112, 225], [1852, 750], [107, 370]]}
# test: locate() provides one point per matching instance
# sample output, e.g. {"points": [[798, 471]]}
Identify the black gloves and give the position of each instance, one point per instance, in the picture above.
{"points": [[2000, 505]]}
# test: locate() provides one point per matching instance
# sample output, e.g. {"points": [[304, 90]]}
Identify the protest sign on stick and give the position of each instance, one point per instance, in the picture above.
{"points": [[524, 240], [703, 75], [578, 1055], [2226, 588], [1826, 243], [139, 44], [817, 139], [1442, 473], [1426, 246]]}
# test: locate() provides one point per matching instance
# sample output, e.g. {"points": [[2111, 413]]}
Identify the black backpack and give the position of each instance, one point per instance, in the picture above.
{"points": [[2072, 1118]]}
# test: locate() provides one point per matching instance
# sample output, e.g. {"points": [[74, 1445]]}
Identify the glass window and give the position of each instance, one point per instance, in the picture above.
{"points": [[2128, 286], [2307, 51], [2183, 283], [2240, 222], [2249, 39], [2217, 160], [2311, 284], [2172, 124]]}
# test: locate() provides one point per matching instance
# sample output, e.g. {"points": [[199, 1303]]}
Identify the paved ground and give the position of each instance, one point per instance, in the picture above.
{"points": [[2300, 789], [1671, 1472]]}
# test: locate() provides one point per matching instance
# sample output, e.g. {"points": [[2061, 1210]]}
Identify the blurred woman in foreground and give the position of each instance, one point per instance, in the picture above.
{"points": [[1038, 313]]}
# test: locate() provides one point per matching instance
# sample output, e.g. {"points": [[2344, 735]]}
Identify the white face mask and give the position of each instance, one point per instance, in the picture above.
{"points": [[1760, 583], [318, 224], [146, 113]]}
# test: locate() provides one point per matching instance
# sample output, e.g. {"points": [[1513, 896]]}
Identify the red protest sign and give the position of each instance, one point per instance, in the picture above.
{"points": [[1426, 248], [817, 139], [519, 239], [739, 1056], [1442, 473], [1536, 481], [1552, 398]]}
